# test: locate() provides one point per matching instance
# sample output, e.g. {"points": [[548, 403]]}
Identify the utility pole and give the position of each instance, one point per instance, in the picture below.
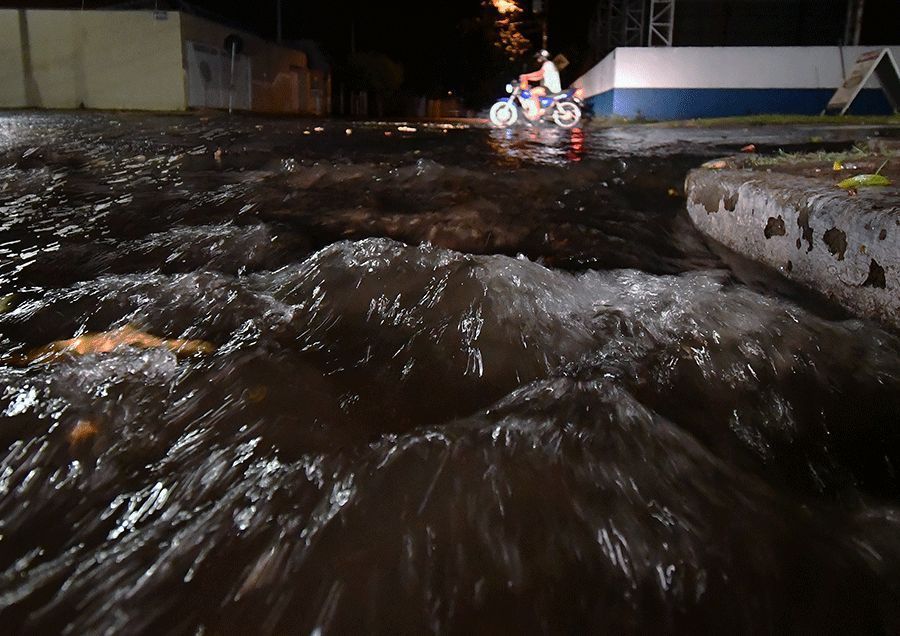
{"points": [[857, 28], [546, 8], [539, 8], [278, 21], [853, 26]]}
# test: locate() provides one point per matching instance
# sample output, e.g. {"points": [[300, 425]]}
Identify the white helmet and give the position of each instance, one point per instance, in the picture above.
{"points": [[543, 55]]}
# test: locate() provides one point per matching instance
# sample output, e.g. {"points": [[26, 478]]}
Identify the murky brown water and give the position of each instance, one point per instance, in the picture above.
{"points": [[464, 380]]}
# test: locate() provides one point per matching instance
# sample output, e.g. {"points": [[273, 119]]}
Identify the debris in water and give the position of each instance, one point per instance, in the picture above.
{"points": [[83, 431], [6, 302], [107, 341], [749, 148], [257, 393]]}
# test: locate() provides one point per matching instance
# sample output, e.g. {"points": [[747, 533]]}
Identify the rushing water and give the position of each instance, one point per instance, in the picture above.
{"points": [[463, 380]]}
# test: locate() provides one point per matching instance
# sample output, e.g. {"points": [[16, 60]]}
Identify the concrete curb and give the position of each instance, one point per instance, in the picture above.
{"points": [[845, 247]]}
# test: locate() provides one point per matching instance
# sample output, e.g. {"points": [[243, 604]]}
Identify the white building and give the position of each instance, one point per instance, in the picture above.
{"points": [[688, 82]]}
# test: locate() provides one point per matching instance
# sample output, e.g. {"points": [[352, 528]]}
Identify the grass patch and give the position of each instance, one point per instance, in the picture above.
{"points": [[782, 120], [856, 154]]}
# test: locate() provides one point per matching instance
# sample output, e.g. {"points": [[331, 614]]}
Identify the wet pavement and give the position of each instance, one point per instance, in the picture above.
{"points": [[442, 378]]}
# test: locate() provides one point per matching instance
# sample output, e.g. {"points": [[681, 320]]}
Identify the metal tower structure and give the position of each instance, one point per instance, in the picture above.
{"points": [[662, 23], [625, 22], [631, 23]]}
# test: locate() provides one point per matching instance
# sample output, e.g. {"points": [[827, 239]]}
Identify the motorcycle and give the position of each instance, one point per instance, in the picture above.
{"points": [[564, 109]]}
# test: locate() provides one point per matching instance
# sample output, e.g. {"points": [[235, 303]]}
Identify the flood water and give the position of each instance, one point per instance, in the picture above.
{"points": [[464, 380]]}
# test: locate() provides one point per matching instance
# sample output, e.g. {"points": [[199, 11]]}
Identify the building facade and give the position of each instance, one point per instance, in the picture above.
{"points": [[663, 83], [149, 60]]}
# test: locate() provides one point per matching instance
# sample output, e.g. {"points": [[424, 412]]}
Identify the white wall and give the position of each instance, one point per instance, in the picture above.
{"points": [[725, 67], [98, 59], [600, 78]]}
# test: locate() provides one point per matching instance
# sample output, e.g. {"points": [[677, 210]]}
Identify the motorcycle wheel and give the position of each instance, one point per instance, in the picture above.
{"points": [[504, 114], [567, 115]]}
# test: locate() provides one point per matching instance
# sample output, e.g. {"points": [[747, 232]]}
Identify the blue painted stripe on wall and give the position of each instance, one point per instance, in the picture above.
{"points": [[689, 103], [601, 104]]}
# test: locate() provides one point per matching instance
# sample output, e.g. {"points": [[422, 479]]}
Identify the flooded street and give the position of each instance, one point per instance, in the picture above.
{"points": [[336, 377]]}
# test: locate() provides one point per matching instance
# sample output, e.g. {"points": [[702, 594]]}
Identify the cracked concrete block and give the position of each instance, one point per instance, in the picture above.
{"points": [[845, 247]]}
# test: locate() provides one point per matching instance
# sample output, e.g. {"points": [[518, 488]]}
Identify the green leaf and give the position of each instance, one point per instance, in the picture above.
{"points": [[864, 180]]}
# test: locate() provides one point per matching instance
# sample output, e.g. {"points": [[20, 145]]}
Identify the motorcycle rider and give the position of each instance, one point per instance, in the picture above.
{"points": [[549, 75]]}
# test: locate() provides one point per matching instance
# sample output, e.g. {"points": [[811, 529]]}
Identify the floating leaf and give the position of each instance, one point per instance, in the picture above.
{"points": [[83, 431], [838, 166], [6, 303], [864, 180], [715, 164], [107, 341]]}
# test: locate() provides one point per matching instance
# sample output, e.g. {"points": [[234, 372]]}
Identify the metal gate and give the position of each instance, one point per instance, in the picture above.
{"points": [[208, 77]]}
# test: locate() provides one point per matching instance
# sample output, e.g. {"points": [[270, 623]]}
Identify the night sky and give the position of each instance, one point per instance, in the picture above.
{"points": [[435, 41]]}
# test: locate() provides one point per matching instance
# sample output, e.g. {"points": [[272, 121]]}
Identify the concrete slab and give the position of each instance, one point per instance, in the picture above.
{"points": [[790, 214]]}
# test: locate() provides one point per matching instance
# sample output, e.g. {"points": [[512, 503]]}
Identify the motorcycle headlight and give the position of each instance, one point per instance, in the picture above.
{"points": [[509, 88]]}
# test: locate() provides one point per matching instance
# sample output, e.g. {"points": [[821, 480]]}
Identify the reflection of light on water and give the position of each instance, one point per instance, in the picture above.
{"points": [[576, 147], [9, 132], [406, 124], [538, 144]]}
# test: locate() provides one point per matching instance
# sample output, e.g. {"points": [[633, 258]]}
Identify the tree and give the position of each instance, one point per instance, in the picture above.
{"points": [[508, 18], [376, 73]]}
